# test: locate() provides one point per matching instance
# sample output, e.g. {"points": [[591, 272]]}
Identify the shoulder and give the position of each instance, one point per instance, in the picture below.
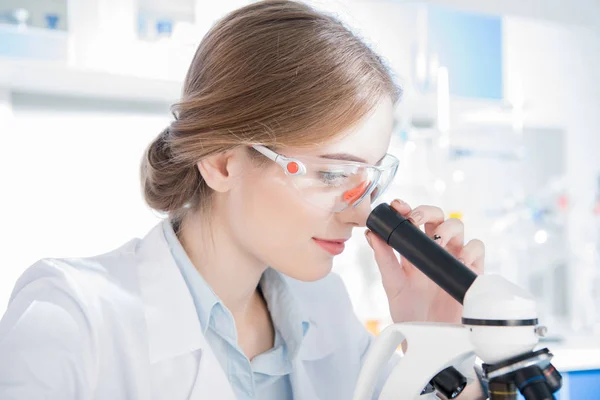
{"points": [[57, 316], [49, 332], [79, 289], [80, 278]]}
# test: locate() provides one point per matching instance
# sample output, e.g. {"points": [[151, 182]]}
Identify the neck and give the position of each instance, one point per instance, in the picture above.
{"points": [[232, 273]]}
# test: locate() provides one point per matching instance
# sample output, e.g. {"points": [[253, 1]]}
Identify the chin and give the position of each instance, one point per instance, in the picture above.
{"points": [[316, 270]]}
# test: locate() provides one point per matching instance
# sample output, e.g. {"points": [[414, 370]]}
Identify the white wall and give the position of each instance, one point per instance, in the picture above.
{"points": [[559, 67]]}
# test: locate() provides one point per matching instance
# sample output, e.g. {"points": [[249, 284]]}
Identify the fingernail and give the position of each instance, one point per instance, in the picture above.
{"points": [[415, 217], [397, 203], [367, 233]]}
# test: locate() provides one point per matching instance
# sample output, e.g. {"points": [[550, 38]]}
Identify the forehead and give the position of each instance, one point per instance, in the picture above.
{"points": [[369, 139]]}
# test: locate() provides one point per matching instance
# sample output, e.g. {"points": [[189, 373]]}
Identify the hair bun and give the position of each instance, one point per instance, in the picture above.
{"points": [[167, 185]]}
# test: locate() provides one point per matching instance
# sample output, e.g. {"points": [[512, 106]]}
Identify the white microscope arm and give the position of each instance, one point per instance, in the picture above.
{"points": [[432, 347]]}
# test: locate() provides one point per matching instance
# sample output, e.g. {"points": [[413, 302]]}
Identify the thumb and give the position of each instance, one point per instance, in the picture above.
{"points": [[392, 273]]}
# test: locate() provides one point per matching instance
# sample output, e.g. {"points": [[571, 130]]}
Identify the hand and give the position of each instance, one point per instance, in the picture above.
{"points": [[412, 296]]}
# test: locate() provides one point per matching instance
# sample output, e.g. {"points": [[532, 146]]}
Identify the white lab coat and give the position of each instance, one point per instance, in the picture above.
{"points": [[123, 325]]}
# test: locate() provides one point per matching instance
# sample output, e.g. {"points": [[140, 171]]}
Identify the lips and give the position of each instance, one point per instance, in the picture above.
{"points": [[333, 247]]}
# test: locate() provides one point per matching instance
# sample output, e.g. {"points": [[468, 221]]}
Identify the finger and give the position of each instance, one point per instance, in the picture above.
{"points": [[451, 234], [473, 255], [384, 254], [390, 267], [429, 216], [401, 207]]}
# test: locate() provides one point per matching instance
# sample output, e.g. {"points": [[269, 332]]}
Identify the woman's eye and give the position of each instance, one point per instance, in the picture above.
{"points": [[333, 178]]}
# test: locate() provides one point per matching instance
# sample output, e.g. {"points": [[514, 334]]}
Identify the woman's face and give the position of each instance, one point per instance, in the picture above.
{"points": [[274, 223]]}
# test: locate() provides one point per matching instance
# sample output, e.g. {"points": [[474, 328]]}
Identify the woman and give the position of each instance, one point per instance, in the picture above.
{"points": [[276, 152]]}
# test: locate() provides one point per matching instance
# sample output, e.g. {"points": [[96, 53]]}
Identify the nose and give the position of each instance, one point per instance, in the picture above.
{"points": [[356, 215]]}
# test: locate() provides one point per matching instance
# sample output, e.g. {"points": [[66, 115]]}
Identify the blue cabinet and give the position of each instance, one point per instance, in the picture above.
{"points": [[584, 385], [470, 46], [579, 385]]}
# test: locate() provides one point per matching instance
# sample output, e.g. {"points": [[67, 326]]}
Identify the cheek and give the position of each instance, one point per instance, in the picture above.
{"points": [[275, 210], [275, 224]]}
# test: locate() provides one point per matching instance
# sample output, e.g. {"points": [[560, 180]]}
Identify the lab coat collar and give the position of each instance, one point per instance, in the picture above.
{"points": [[171, 317]]}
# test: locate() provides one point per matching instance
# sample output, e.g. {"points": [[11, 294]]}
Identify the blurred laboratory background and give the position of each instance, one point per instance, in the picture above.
{"points": [[499, 125]]}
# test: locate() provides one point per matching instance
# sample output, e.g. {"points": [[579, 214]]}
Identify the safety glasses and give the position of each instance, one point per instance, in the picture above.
{"points": [[334, 185]]}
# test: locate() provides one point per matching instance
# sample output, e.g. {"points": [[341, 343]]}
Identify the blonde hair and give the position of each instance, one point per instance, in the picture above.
{"points": [[274, 72]]}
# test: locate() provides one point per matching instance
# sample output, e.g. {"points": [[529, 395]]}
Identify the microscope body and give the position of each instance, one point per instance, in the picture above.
{"points": [[499, 326], [433, 347]]}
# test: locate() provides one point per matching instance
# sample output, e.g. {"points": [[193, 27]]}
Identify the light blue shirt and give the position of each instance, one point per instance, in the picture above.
{"points": [[266, 377]]}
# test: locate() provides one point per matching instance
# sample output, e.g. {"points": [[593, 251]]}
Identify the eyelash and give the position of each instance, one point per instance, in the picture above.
{"points": [[330, 177]]}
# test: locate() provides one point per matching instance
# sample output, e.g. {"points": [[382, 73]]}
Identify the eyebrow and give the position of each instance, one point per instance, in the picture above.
{"points": [[343, 157]]}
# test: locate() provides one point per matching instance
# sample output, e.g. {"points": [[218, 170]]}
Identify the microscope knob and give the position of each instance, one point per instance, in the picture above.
{"points": [[449, 382]]}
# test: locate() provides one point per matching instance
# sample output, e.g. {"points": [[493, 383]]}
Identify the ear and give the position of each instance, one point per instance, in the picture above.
{"points": [[220, 171]]}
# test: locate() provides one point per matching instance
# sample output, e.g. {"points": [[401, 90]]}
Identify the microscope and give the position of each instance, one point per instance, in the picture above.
{"points": [[499, 326]]}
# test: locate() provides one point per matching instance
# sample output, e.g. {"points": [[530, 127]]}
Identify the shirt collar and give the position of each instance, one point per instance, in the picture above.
{"points": [[288, 316]]}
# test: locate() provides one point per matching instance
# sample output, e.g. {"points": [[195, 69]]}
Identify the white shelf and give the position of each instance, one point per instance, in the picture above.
{"points": [[56, 78], [577, 353], [481, 113]]}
